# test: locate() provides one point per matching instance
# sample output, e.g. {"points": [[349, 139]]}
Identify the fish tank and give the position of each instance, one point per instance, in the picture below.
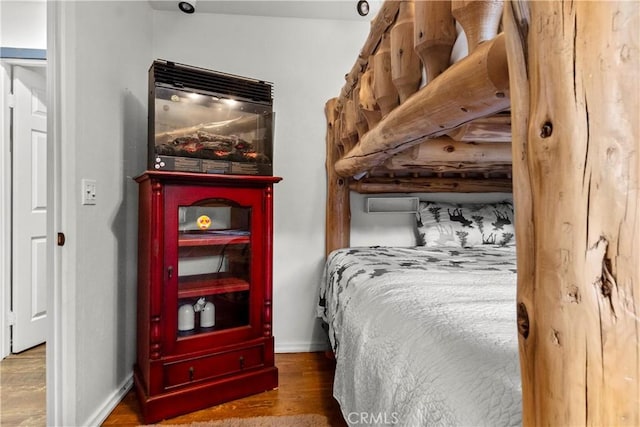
{"points": [[206, 121]]}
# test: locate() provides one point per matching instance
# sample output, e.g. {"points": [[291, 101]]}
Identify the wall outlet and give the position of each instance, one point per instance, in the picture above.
{"points": [[89, 192]]}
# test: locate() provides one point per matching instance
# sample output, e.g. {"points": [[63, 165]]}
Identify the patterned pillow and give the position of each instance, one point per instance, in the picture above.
{"points": [[465, 225]]}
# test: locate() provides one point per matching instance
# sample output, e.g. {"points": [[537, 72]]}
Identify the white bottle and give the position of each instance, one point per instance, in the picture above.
{"points": [[208, 315], [186, 317]]}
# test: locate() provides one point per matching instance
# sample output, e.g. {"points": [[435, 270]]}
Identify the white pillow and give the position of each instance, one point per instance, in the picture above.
{"points": [[465, 225]]}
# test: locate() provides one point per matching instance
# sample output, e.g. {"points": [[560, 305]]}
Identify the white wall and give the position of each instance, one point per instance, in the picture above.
{"points": [[103, 55], [306, 60], [104, 49], [23, 24]]}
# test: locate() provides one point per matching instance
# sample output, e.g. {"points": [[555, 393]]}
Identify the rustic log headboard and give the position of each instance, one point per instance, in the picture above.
{"points": [[568, 75], [408, 121]]}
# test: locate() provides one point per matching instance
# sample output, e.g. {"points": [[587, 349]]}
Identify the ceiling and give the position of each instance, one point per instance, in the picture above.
{"points": [[310, 9]]}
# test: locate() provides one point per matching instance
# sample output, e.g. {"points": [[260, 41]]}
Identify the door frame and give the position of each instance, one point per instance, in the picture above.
{"points": [[60, 375], [5, 211], [56, 385]]}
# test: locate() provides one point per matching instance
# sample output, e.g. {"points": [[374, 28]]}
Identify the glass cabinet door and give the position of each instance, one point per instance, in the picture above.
{"points": [[214, 271]]}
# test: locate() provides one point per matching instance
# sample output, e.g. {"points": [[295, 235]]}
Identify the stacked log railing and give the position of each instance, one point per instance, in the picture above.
{"points": [[408, 121]]}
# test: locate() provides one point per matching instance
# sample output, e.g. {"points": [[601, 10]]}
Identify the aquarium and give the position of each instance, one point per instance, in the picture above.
{"points": [[209, 122]]}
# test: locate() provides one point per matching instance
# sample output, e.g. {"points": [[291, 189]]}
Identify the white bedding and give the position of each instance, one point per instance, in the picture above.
{"points": [[424, 336]]}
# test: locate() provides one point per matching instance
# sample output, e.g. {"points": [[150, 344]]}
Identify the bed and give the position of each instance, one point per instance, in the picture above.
{"points": [[426, 335], [554, 108]]}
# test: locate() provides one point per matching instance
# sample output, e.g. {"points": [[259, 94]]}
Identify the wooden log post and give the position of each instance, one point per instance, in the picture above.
{"points": [[361, 123], [336, 125], [480, 19], [406, 71], [338, 210], [368, 105], [348, 119], [477, 86], [434, 35], [576, 145], [383, 88]]}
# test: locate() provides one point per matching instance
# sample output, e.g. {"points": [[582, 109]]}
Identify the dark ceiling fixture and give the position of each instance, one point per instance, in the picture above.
{"points": [[187, 6], [363, 7]]}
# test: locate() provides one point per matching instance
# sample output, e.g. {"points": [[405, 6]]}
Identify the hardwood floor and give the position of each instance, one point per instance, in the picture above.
{"points": [[22, 389], [305, 387]]}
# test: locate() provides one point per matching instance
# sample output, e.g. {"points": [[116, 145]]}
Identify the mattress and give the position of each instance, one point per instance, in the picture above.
{"points": [[423, 336]]}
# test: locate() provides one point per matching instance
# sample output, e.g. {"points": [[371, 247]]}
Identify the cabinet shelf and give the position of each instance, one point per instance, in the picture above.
{"points": [[210, 284], [213, 239]]}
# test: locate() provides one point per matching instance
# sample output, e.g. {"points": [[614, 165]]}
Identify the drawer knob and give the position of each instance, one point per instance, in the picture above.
{"points": [[191, 370], [241, 360]]}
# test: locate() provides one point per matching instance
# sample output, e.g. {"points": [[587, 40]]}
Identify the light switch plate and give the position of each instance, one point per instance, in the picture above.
{"points": [[89, 196]]}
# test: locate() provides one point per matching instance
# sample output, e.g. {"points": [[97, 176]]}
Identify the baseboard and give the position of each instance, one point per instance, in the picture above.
{"points": [[300, 347], [98, 417]]}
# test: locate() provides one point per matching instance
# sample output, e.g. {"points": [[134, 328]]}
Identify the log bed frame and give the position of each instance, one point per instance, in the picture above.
{"points": [[555, 86]]}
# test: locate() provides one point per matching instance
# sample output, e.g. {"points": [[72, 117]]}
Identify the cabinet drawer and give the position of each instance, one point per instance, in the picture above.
{"points": [[208, 367]]}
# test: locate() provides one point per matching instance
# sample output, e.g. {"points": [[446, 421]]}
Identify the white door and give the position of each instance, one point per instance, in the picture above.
{"points": [[29, 211]]}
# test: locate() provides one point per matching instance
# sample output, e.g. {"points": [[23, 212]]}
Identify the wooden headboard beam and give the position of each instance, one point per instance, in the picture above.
{"points": [[446, 155], [475, 87], [491, 129], [430, 185]]}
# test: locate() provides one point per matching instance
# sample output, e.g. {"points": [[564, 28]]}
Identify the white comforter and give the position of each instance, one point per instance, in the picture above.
{"points": [[424, 337]]}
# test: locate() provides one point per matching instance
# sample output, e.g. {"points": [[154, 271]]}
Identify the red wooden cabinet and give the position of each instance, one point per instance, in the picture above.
{"points": [[204, 291]]}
